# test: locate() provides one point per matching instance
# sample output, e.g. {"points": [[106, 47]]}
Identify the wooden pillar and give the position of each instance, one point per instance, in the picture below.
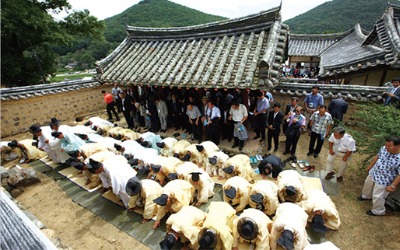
{"points": [[383, 78]]}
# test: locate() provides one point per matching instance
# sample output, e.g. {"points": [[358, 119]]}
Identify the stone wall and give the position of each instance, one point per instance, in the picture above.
{"points": [[18, 115]]}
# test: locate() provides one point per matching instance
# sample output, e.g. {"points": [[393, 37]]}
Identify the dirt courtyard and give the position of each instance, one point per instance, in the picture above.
{"points": [[79, 228]]}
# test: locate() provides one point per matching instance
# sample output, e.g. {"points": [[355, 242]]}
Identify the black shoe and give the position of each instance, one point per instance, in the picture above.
{"points": [[286, 152], [294, 159], [315, 155], [360, 198], [230, 139], [261, 140], [370, 213], [275, 149], [309, 153], [234, 146], [329, 175], [256, 137]]}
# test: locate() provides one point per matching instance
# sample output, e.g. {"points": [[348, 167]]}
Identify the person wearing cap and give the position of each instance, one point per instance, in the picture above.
{"points": [[142, 193], [151, 142], [321, 123], [110, 105], [290, 186], [251, 227], [289, 227], [178, 150], [203, 184], [217, 227], [69, 142], [55, 144], [270, 165], [260, 113], [166, 146], [312, 102], [97, 122], [215, 164], [8, 153], [264, 197], [341, 145], [28, 152], [236, 192], [114, 173], [183, 171], [128, 148], [238, 114], [275, 118], [43, 142], [93, 180], [239, 165], [296, 122], [392, 97], [186, 225], [175, 195], [322, 212], [162, 167], [383, 176]]}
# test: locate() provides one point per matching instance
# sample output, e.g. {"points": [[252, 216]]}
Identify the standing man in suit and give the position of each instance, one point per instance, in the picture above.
{"points": [[290, 109], [162, 111], [127, 108], [213, 122], [393, 96], [274, 126], [260, 113]]}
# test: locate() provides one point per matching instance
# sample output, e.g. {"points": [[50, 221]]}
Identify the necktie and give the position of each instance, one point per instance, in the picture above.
{"points": [[210, 113]]}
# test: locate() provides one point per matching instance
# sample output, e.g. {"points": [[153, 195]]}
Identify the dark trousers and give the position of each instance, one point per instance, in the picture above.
{"points": [[315, 137], [119, 104], [110, 107], [259, 125], [128, 118], [214, 133], [273, 134], [291, 144], [154, 123], [195, 129], [176, 119], [227, 130], [238, 142]]}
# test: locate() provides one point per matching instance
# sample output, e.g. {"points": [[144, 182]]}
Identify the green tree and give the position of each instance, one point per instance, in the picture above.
{"points": [[27, 33]]}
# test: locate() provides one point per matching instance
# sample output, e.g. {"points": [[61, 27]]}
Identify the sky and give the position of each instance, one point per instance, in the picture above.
{"points": [[226, 8]]}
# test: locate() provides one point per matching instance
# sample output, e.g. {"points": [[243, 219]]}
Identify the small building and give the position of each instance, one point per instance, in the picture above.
{"points": [[243, 53]]}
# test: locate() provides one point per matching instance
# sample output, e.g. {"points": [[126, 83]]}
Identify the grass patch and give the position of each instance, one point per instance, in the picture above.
{"points": [[69, 77]]}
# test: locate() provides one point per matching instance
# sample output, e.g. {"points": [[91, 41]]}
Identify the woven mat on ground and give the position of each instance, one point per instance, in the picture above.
{"points": [[109, 195], [73, 175], [46, 160]]}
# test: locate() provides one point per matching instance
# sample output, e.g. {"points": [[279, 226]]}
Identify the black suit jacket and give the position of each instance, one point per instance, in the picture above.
{"points": [[288, 108], [275, 122], [128, 106]]}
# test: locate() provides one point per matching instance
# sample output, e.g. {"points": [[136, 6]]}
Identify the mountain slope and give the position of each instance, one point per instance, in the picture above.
{"points": [[338, 16], [154, 13]]}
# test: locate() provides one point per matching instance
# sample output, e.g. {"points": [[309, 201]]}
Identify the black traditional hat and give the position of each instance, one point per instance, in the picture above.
{"points": [[160, 144], [133, 186], [230, 193], [55, 134], [213, 160], [118, 137], [286, 240], [162, 200], [318, 224], [172, 176], [117, 146], [133, 162], [34, 129], [247, 228], [176, 155], [229, 169], [78, 165], [87, 123], [195, 176], [207, 239], [144, 170], [93, 165], [291, 191], [257, 198], [145, 144], [168, 242], [200, 148], [13, 144], [54, 121], [186, 157], [155, 168]]}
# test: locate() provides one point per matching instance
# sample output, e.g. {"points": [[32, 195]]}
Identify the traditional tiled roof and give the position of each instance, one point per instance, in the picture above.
{"points": [[348, 92], [357, 51], [312, 44], [237, 53], [45, 89]]}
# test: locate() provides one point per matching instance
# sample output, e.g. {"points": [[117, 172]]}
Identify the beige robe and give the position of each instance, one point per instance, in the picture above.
{"points": [[209, 148], [242, 167], [187, 222], [184, 169], [263, 223], [220, 218], [290, 217], [319, 200], [33, 152], [204, 187], [89, 149], [242, 187], [150, 191], [169, 144], [216, 169], [168, 165], [179, 148], [269, 190], [291, 178], [100, 157], [180, 193]]}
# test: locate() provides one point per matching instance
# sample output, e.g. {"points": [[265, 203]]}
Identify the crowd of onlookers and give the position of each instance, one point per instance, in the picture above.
{"points": [[299, 71]]}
